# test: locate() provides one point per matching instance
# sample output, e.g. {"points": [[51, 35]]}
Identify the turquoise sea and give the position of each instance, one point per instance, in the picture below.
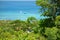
{"points": [[13, 10]]}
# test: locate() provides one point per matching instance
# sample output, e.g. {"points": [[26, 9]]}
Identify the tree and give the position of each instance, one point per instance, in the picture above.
{"points": [[57, 22], [32, 24], [49, 7], [32, 21], [51, 33]]}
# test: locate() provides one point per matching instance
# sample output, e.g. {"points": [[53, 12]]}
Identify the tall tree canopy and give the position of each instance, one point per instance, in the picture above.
{"points": [[50, 7]]}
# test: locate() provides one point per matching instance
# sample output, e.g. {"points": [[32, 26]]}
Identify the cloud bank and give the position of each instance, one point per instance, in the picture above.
{"points": [[17, 0]]}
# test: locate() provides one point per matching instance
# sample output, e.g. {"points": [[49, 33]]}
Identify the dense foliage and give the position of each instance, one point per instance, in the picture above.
{"points": [[20, 30], [51, 24], [33, 29], [30, 29]]}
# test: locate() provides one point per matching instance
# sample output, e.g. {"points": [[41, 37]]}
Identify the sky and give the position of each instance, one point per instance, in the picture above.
{"points": [[17, 0], [18, 9], [18, 6]]}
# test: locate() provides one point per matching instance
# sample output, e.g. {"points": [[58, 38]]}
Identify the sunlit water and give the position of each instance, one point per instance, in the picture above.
{"points": [[13, 10]]}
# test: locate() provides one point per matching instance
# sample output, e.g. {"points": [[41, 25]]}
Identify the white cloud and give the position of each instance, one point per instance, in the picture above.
{"points": [[17, 0]]}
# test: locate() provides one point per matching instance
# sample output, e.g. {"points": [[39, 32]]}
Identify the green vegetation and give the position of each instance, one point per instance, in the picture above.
{"points": [[33, 29], [19, 30], [51, 24]]}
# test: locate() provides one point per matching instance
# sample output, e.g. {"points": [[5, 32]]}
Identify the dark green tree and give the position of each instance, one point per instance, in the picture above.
{"points": [[51, 9]]}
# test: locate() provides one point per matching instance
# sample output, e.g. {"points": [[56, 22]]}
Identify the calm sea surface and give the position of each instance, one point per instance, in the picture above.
{"points": [[13, 10]]}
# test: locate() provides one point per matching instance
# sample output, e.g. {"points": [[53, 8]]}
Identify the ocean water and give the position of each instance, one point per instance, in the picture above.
{"points": [[13, 10]]}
